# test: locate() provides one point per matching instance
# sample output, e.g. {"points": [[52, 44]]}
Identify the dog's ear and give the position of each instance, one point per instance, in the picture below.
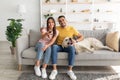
{"points": [[63, 45]]}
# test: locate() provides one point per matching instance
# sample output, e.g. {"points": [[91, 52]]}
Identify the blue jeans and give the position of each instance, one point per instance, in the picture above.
{"points": [[47, 53], [58, 48]]}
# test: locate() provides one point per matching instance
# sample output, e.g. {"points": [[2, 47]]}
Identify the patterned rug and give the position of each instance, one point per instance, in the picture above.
{"points": [[80, 76]]}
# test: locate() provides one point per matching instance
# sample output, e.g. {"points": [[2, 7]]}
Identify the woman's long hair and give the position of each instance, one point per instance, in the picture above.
{"points": [[54, 28]]}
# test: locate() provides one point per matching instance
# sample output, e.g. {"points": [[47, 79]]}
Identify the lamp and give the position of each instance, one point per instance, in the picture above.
{"points": [[21, 9]]}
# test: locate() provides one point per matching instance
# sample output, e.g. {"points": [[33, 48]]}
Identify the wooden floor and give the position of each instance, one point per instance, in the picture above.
{"points": [[8, 69], [8, 65]]}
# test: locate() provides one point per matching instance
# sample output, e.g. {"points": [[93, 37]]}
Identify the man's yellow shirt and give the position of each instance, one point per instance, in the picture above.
{"points": [[68, 31]]}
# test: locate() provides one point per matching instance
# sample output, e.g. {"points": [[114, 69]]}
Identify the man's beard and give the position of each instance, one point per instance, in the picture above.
{"points": [[63, 25]]}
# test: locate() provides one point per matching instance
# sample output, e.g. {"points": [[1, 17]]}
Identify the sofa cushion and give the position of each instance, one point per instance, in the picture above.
{"points": [[98, 34], [34, 37], [112, 40], [30, 53], [97, 55]]}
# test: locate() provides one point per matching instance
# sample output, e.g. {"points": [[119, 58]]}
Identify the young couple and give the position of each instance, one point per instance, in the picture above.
{"points": [[45, 49]]}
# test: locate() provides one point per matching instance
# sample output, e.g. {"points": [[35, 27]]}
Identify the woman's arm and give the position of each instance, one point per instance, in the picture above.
{"points": [[51, 41], [43, 32]]}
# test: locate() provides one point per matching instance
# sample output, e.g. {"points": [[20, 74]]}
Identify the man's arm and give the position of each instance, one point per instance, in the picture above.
{"points": [[77, 35], [80, 37]]}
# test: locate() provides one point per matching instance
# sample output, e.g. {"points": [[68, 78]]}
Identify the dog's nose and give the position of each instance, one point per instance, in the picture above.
{"points": [[70, 38]]}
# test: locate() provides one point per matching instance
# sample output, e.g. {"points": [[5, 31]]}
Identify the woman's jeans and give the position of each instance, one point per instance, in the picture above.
{"points": [[58, 48], [40, 54]]}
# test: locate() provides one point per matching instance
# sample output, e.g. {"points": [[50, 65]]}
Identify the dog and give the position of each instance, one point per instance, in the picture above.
{"points": [[88, 44], [67, 42]]}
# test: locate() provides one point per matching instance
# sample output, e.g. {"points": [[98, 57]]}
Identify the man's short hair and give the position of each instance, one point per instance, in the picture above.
{"points": [[61, 16]]}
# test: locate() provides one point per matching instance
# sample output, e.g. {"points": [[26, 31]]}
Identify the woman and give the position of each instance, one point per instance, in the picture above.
{"points": [[43, 46]]}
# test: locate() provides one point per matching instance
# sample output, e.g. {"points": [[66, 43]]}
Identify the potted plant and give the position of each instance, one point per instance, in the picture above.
{"points": [[13, 32], [58, 0], [74, 0], [47, 1], [48, 15]]}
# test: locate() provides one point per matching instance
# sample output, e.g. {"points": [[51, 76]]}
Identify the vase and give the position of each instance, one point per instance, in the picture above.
{"points": [[12, 50]]}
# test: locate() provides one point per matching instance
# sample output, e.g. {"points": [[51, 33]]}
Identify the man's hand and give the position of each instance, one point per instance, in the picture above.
{"points": [[73, 41]]}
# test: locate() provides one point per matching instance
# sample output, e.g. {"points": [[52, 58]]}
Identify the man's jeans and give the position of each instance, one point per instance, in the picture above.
{"points": [[47, 53], [58, 48]]}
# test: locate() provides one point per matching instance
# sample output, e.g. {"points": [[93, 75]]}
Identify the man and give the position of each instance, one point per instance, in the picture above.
{"points": [[64, 31]]}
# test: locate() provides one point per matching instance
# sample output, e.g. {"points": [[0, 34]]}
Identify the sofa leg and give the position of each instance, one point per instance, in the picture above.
{"points": [[19, 67]]}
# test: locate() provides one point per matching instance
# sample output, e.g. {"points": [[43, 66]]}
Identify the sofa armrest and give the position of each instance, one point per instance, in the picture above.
{"points": [[22, 43], [119, 44]]}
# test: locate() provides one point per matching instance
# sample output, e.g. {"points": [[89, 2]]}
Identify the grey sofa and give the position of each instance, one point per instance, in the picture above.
{"points": [[26, 54]]}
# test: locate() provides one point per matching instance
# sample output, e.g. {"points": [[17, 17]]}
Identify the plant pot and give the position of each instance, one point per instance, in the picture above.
{"points": [[12, 50]]}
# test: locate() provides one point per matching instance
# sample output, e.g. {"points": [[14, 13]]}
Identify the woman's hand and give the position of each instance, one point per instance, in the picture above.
{"points": [[45, 47]]}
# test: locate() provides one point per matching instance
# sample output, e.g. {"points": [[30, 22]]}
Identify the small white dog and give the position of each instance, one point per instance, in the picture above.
{"points": [[88, 44]]}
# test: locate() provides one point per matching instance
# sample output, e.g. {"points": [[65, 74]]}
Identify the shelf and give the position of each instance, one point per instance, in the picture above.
{"points": [[79, 22], [55, 3], [104, 12], [81, 12], [106, 2], [98, 28], [79, 3], [103, 22], [54, 13], [78, 12]]}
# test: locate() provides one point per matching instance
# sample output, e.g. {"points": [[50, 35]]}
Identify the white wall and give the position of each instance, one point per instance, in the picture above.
{"points": [[8, 9]]}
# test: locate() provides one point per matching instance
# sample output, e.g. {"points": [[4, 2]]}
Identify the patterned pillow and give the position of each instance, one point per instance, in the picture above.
{"points": [[98, 34], [112, 40]]}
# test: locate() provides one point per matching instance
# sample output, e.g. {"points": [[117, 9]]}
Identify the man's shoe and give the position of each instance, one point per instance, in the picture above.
{"points": [[53, 74], [44, 74], [71, 75], [37, 70]]}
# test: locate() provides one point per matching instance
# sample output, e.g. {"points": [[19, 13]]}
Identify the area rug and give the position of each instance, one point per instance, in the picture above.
{"points": [[80, 76]]}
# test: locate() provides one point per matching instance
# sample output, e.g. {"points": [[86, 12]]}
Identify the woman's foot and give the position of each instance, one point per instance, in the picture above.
{"points": [[37, 70], [44, 74]]}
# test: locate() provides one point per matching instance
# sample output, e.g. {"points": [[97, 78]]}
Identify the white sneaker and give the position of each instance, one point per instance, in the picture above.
{"points": [[37, 70], [71, 75], [44, 74], [53, 74]]}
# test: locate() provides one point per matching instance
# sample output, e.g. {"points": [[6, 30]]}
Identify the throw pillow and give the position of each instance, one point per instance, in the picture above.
{"points": [[34, 37], [112, 40]]}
